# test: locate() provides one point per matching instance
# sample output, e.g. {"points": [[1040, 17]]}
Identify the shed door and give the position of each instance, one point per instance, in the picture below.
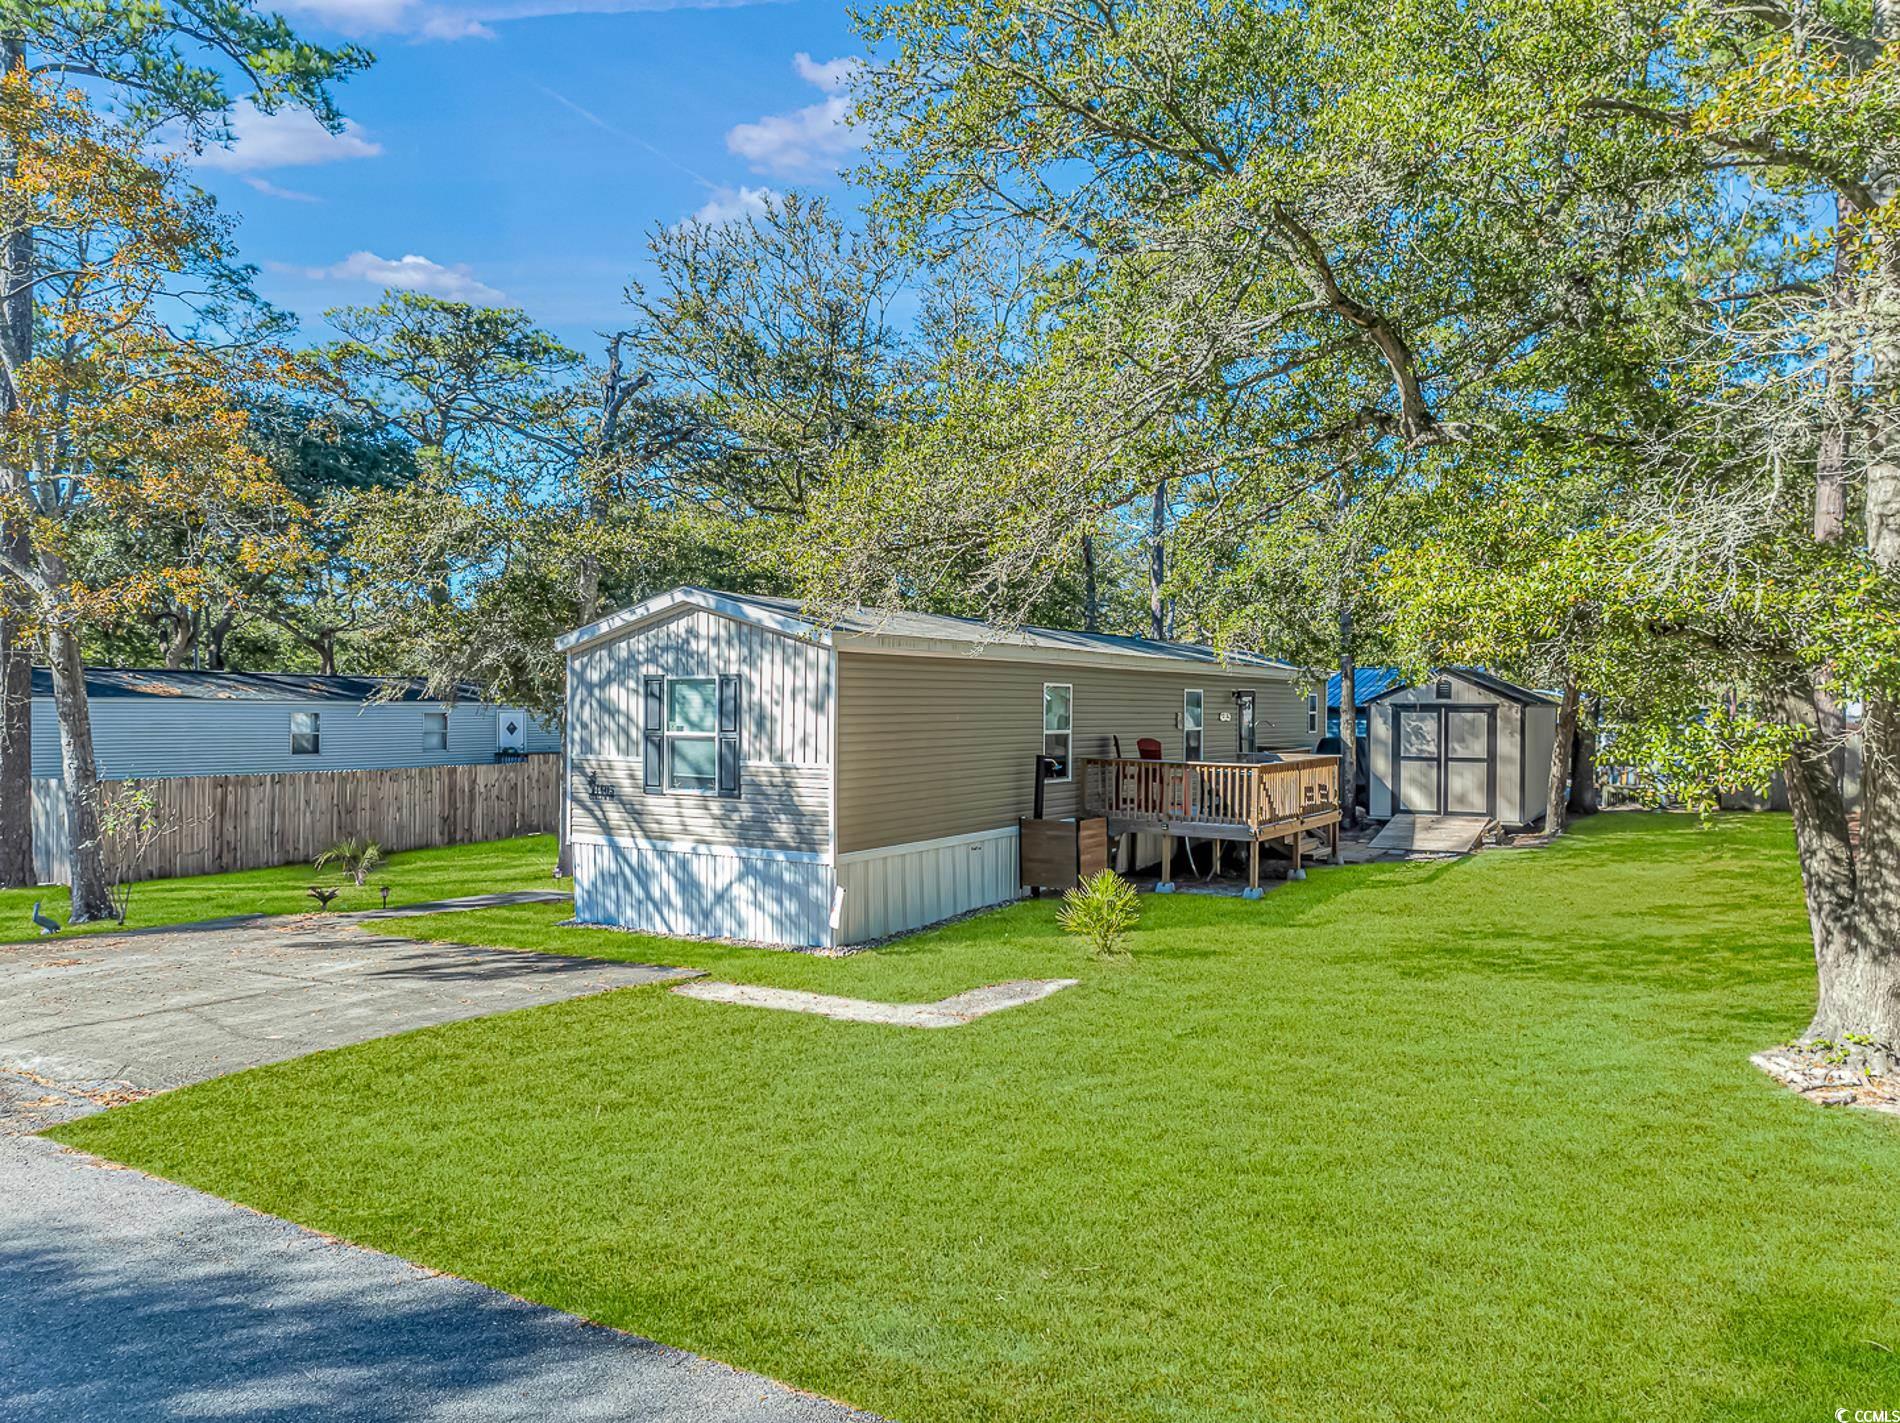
{"points": [[1419, 746], [1470, 761]]}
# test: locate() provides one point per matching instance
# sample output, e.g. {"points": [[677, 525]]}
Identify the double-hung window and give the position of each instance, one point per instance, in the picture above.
{"points": [[692, 734], [1193, 718], [435, 731], [1312, 713], [1058, 728], [306, 734]]}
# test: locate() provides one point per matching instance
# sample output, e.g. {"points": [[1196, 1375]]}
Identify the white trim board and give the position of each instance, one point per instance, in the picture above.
{"points": [[700, 847]]}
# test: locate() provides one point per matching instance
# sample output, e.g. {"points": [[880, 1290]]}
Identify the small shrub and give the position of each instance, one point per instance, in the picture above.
{"points": [[357, 857], [1102, 910]]}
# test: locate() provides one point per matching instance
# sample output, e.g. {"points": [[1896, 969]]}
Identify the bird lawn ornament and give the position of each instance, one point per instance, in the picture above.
{"points": [[46, 925]]}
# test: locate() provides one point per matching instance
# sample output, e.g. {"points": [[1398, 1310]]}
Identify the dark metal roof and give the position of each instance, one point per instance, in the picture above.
{"points": [[188, 685], [1477, 676], [901, 622]]}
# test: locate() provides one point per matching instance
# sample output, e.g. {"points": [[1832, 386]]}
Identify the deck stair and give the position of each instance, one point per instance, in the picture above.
{"points": [[1433, 834]]}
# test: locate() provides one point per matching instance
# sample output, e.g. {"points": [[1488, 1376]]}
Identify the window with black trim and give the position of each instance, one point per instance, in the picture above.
{"points": [[692, 734], [1193, 720], [1312, 713], [306, 734], [1058, 727], [435, 731]]}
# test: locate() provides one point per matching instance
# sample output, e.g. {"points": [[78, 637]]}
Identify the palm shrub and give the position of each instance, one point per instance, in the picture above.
{"points": [[357, 857], [1102, 910]]}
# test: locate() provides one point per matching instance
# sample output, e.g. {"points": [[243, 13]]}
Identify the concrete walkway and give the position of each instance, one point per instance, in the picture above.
{"points": [[127, 1297], [951, 1012]]}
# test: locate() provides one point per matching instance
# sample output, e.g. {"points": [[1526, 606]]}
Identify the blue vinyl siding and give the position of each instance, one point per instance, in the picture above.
{"points": [[153, 736]]}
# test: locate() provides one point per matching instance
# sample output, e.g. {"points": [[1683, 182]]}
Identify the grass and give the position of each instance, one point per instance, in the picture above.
{"points": [[413, 877], [1448, 1141]]}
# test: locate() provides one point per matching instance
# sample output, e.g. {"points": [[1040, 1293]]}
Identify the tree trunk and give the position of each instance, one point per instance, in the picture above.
{"points": [[92, 898], [1091, 598], [1348, 720], [1560, 757], [1158, 563], [16, 729], [1585, 797], [17, 258], [326, 653], [180, 626]]}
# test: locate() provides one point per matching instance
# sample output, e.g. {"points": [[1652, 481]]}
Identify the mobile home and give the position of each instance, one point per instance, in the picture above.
{"points": [[740, 768]]}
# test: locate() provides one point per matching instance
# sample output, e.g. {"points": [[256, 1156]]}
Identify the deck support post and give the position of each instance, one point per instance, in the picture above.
{"points": [[1297, 872], [1253, 869], [1332, 832], [1167, 866]]}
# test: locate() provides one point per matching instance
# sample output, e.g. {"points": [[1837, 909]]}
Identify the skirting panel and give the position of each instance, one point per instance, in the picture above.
{"points": [[680, 890], [909, 886]]}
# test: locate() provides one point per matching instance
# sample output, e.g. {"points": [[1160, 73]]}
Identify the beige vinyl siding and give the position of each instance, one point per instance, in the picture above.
{"points": [[931, 747], [778, 807], [784, 801]]}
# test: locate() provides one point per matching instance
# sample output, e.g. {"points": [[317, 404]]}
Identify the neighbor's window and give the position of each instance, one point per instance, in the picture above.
{"points": [[1249, 734], [1058, 726], [305, 733], [435, 731], [1312, 713], [692, 734], [1193, 716]]}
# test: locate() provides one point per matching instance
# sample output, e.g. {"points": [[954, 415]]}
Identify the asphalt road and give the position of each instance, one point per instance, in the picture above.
{"points": [[124, 1297]]}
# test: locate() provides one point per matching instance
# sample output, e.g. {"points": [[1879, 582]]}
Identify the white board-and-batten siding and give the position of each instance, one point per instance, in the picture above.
{"points": [[756, 866]]}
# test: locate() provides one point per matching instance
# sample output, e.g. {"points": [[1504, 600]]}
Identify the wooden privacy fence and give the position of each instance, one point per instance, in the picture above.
{"points": [[222, 823]]}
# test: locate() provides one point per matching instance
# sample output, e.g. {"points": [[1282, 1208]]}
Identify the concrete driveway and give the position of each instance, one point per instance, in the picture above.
{"points": [[161, 1008], [129, 1297]]}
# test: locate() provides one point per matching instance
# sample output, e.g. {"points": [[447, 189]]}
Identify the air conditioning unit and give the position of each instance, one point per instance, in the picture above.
{"points": [[511, 732]]}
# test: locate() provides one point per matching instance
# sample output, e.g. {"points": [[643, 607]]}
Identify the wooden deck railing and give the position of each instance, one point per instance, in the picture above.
{"points": [[1233, 794]]}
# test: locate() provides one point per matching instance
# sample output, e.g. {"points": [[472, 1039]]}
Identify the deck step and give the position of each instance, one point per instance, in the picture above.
{"points": [[1432, 834]]}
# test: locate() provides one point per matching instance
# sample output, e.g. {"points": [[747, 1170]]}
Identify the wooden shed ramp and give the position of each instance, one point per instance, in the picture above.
{"points": [[1432, 834]]}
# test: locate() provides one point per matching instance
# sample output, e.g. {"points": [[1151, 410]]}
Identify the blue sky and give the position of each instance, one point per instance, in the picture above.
{"points": [[518, 151]]}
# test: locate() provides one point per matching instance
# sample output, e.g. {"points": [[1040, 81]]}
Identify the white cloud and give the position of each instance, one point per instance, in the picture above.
{"points": [[443, 20], [289, 138], [271, 190], [409, 273], [731, 204], [808, 139], [832, 76]]}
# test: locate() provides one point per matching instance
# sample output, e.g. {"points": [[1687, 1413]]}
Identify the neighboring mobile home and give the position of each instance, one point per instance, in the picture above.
{"points": [[1460, 742], [742, 769], [167, 722]]}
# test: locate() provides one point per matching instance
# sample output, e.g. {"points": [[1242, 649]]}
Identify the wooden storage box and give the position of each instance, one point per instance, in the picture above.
{"points": [[1058, 854]]}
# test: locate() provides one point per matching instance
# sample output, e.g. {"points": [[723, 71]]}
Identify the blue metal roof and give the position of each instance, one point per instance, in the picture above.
{"points": [[1367, 683]]}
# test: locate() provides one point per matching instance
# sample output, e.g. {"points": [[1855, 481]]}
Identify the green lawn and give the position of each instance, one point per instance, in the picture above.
{"points": [[1449, 1141], [413, 877]]}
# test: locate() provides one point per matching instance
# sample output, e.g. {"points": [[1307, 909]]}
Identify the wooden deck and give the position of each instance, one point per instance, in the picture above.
{"points": [[1256, 802]]}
